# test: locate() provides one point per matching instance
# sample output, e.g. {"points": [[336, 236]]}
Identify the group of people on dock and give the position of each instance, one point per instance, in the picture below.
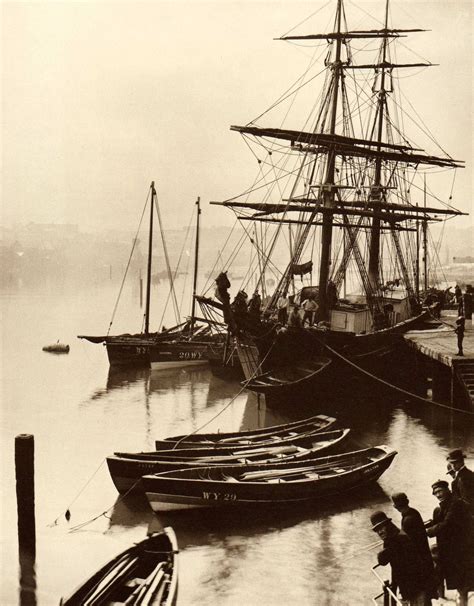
{"points": [[419, 572]]}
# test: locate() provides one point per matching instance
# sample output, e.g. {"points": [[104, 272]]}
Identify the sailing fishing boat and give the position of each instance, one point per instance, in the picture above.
{"points": [[348, 200], [182, 345]]}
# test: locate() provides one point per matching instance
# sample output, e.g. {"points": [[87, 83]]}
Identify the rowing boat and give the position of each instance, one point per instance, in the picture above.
{"points": [[289, 380], [246, 437], [127, 469], [144, 574], [278, 484]]}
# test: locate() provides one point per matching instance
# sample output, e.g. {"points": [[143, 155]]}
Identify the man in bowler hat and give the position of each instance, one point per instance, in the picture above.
{"points": [[463, 484], [413, 525], [400, 552], [451, 525]]}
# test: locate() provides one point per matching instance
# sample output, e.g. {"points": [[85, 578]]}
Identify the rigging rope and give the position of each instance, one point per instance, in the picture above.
{"points": [[128, 265], [168, 268]]}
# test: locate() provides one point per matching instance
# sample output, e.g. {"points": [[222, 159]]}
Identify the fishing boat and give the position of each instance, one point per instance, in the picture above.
{"points": [[144, 574], [126, 470], [57, 348], [248, 437], [279, 484], [182, 345], [352, 204]]}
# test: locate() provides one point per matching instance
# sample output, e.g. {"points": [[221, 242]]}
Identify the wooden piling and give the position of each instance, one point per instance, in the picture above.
{"points": [[25, 491]]}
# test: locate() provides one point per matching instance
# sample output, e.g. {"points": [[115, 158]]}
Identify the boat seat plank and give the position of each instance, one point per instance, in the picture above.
{"points": [[134, 582]]}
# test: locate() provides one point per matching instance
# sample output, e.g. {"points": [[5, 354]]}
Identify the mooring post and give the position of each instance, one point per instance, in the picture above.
{"points": [[25, 491]]}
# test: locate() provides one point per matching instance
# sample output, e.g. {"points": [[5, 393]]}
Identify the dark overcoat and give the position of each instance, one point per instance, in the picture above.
{"points": [[451, 526], [463, 486], [407, 569], [413, 526]]}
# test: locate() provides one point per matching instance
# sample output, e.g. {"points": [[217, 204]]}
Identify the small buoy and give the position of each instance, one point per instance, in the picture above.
{"points": [[67, 515], [57, 348]]}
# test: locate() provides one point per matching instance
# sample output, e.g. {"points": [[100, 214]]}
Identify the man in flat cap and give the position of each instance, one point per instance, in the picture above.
{"points": [[400, 552], [451, 526], [413, 525], [463, 483]]}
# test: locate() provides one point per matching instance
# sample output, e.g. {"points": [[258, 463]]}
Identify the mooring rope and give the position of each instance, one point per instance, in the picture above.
{"points": [[67, 513], [104, 513], [395, 387]]}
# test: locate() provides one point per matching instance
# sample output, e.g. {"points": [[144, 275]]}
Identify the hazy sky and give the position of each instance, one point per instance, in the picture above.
{"points": [[99, 98]]}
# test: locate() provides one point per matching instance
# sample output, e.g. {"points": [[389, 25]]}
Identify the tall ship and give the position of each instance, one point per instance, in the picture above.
{"points": [[345, 186]]}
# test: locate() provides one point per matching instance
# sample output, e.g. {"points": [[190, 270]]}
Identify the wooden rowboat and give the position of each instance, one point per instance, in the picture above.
{"points": [[289, 380], [316, 423], [277, 484], [127, 469], [144, 574]]}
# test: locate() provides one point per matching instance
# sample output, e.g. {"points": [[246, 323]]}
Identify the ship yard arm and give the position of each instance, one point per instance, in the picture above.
{"points": [[326, 208]]}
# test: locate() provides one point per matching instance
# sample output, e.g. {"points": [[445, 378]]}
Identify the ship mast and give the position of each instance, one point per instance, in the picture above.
{"points": [[328, 189], [196, 261], [374, 247], [148, 272]]}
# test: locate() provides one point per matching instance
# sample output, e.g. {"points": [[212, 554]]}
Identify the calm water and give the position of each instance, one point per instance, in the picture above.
{"points": [[79, 413]]}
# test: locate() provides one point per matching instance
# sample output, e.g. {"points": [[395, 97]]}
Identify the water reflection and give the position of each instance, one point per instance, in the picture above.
{"points": [[197, 527], [133, 510]]}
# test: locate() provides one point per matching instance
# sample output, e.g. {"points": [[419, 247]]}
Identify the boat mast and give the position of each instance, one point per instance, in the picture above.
{"points": [[328, 188], [196, 260], [148, 273], [376, 193], [425, 241]]}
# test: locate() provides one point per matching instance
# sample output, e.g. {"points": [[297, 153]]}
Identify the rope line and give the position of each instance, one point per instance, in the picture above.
{"points": [[78, 494], [128, 266], [104, 513], [395, 387]]}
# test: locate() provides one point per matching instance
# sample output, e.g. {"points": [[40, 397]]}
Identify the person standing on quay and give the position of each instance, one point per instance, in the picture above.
{"points": [[451, 525], [400, 552], [413, 525], [459, 330]]}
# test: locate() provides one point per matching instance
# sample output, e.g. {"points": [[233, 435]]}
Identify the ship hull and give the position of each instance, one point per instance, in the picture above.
{"points": [[349, 353], [177, 354]]}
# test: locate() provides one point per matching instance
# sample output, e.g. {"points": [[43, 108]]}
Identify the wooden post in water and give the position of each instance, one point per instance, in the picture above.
{"points": [[25, 491]]}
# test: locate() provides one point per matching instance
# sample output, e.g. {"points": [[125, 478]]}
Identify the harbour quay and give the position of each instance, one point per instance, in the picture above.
{"points": [[436, 370]]}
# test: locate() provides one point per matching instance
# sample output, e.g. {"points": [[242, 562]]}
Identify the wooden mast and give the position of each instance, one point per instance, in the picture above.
{"points": [[376, 195], [328, 188], [196, 262], [425, 242], [148, 272]]}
